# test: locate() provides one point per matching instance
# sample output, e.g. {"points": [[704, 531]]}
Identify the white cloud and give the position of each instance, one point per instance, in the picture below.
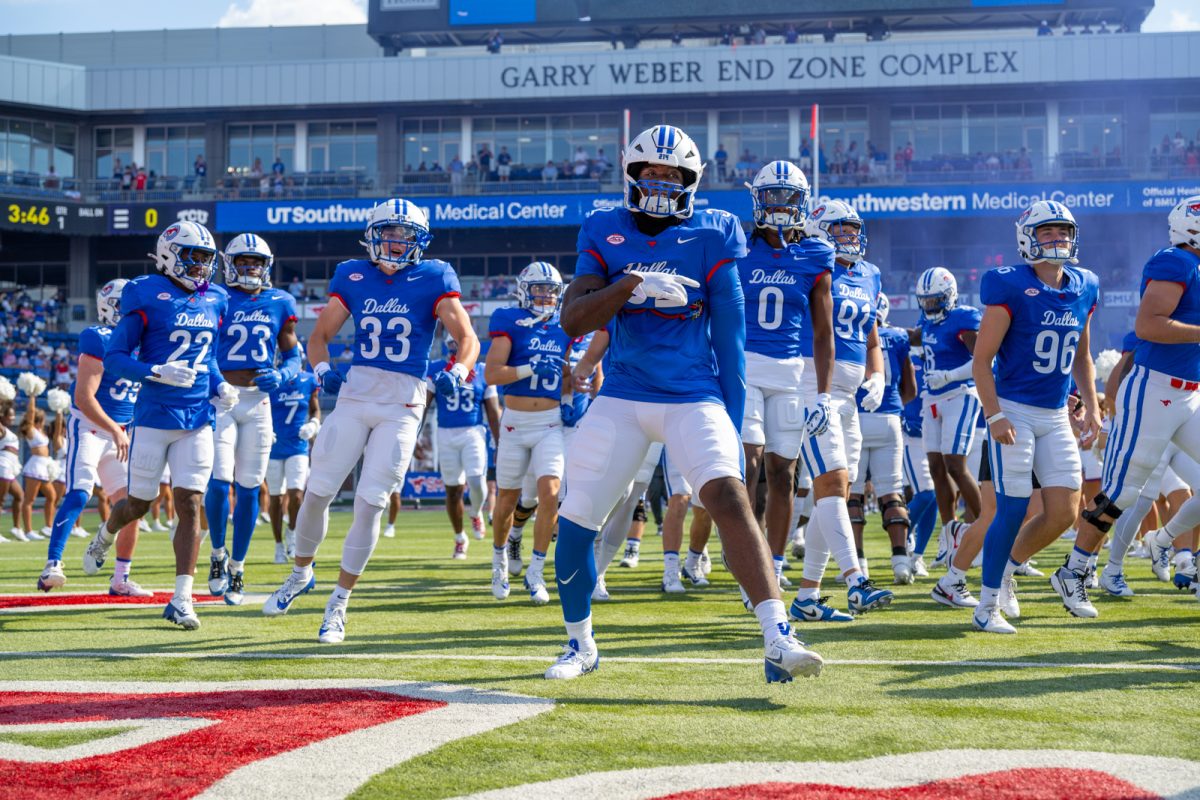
{"points": [[260, 13], [1173, 15]]}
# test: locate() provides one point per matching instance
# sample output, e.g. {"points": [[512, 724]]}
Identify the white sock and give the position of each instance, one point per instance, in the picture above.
{"points": [[499, 558], [581, 633], [692, 561], [304, 572], [670, 563], [218, 553], [236, 566], [803, 594], [834, 518], [537, 562], [515, 534], [460, 537], [108, 536], [183, 587], [778, 567], [339, 596], [955, 575], [988, 598], [773, 618]]}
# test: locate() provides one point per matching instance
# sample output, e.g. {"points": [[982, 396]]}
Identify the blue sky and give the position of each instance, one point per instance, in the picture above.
{"points": [[72, 16]]}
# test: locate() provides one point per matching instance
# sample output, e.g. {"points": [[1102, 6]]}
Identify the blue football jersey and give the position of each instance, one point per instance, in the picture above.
{"points": [[910, 416], [942, 346], [1177, 360], [575, 351], [394, 317], [168, 324], [531, 344], [777, 284], [894, 343], [250, 333], [115, 395], [664, 355], [855, 290], [1130, 343], [1033, 365], [465, 408], [289, 411]]}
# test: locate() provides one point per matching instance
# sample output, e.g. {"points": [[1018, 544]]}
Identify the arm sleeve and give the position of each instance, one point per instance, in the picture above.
{"points": [[590, 261], [125, 339], [727, 330]]}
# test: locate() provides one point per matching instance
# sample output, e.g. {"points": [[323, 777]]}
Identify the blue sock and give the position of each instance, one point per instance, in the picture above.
{"points": [[922, 510], [245, 517], [216, 506], [575, 561], [64, 521], [997, 546]]}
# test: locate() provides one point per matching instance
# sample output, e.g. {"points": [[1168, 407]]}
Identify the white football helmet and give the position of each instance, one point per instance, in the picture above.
{"points": [[250, 278], [1184, 221], [667, 145], [826, 223], [1045, 212], [187, 253], [937, 293], [539, 288], [779, 193], [393, 224], [108, 302], [883, 307]]}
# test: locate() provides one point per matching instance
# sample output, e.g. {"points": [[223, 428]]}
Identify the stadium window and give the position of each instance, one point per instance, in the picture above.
{"points": [[1088, 130], [248, 146], [30, 146], [430, 141], [114, 150], [170, 150], [342, 146], [1174, 126], [847, 124]]}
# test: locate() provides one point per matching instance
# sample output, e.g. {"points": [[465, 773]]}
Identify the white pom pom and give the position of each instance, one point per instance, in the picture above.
{"points": [[58, 400], [1105, 362], [30, 384], [7, 390]]}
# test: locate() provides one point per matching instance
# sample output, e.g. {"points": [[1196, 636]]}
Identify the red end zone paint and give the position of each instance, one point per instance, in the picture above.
{"points": [[32, 601], [1016, 784], [250, 726]]}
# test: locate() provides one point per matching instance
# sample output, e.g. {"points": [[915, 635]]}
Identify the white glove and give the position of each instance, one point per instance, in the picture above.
{"points": [[7, 390], [225, 398], [174, 373], [30, 384], [58, 401], [816, 419], [665, 288], [937, 378], [310, 429], [874, 396]]}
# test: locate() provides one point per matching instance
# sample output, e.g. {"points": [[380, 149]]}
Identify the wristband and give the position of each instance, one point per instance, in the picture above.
{"points": [[999, 415], [524, 371], [321, 368], [459, 371]]}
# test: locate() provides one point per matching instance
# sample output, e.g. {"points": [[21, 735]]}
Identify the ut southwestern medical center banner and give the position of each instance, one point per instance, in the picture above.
{"points": [[566, 210]]}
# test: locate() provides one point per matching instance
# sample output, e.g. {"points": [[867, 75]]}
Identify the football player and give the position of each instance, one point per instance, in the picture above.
{"points": [[97, 446], [667, 280], [261, 321], [173, 317], [296, 420], [1036, 327], [527, 358], [922, 507], [395, 297]]}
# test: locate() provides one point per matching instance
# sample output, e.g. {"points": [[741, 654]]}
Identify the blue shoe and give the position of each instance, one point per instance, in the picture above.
{"points": [[1184, 578], [218, 575], [1160, 555], [817, 611], [281, 599], [235, 593], [992, 622], [696, 576], [573, 662], [867, 597], [787, 657], [180, 611]]}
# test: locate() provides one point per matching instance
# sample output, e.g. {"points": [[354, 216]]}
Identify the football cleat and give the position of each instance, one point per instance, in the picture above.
{"points": [[289, 544], [1114, 583], [264, 518], [786, 657], [694, 575], [282, 598], [94, 555], [127, 588], [535, 584], [573, 663], [1160, 556], [20, 536], [705, 562], [52, 576], [866, 597], [36, 536], [460, 550], [671, 584], [817, 611], [1093, 580], [600, 593], [515, 564], [280, 553], [784, 583], [918, 566], [1028, 570], [236, 592], [333, 626], [80, 533], [1007, 600], [955, 595], [158, 527], [180, 611], [499, 584], [1140, 550], [630, 559], [797, 544], [477, 529], [143, 525], [991, 622], [1185, 576], [389, 532], [1072, 588], [218, 574], [902, 573]]}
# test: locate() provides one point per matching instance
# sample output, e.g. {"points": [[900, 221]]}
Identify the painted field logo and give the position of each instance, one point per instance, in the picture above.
{"points": [[251, 739]]}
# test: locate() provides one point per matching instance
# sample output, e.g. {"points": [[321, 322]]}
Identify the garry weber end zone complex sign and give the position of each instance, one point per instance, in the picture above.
{"points": [[568, 210]]}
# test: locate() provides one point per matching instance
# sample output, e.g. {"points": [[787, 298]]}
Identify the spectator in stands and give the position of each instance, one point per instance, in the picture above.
{"points": [[790, 34], [759, 35], [117, 171], [829, 33], [277, 167], [456, 170], [200, 167], [1068, 30], [601, 165], [436, 167], [484, 156], [908, 156], [564, 170], [256, 171], [1103, 27], [1087, 31], [296, 288], [722, 159], [747, 164], [549, 172], [727, 35], [1044, 29], [139, 181], [51, 181], [127, 179], [806, 157], [495, 42], [503, 164], [676, 38]]}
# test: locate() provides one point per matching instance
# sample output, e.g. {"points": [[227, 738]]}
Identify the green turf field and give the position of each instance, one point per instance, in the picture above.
{"points": [[911, 678]]}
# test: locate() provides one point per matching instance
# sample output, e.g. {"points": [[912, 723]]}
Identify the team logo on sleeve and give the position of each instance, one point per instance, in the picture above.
{"points": [[356, 276], [615, 238], [164, 295], [1032, 292]]}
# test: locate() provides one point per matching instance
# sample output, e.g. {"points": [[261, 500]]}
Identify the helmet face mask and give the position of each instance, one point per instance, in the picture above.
{"points": [[937, 293], [674, 167], [1033, 248], [840, 226], [248, 261], [186, 254], [779, 194], [397, 235], [539, 289]]}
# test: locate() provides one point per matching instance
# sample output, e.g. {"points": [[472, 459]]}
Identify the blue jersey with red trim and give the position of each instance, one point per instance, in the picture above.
{"points": [[464, 409], [855, 290], [394, 315], [1130, 342], [911, 416], [1178, 360], [249, 333], [580, 400], [894, 344], [115, 395], [289, 412], [665, 355], [531, 344], [1033, 364], [777, 284], [942, 344]]}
